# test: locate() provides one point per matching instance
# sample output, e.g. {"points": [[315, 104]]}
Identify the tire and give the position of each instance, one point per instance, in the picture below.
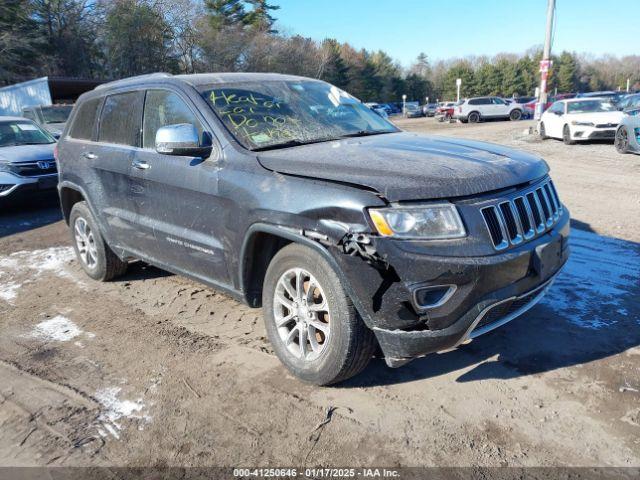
{"points": [[515, 115], [94, 255], [473, 117], [543, 132], [566, 136], [343, 345], [621, 141]]}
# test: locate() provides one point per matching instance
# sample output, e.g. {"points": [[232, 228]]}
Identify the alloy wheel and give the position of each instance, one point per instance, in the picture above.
{"points": [[301, 314], [85, 242], [622, 141]]}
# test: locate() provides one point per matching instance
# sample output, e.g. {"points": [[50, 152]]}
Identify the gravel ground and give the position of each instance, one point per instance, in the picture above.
{"points": [[154, 369]]}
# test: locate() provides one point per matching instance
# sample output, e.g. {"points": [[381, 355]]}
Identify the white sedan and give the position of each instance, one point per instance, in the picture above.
{"points": [[580, 119]]}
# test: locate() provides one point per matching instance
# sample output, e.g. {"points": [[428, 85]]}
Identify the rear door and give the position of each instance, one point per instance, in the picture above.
{"points": [[484, 106], [118, 138], [177, 196]]}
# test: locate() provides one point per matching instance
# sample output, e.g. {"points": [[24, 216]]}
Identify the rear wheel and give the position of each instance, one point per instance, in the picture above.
{"points": [[474, 117], [96, 258], [622, 141], [566, 136], [310, 320], [515, 115]]}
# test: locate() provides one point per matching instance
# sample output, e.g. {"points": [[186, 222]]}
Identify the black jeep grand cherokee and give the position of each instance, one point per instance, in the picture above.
{"points": [[290, 194]]}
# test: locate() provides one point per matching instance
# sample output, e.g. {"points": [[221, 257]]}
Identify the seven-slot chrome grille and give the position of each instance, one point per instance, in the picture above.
{"points": [[523, 217]]}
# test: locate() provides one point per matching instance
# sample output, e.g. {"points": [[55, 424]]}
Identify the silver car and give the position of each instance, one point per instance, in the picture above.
{"points": [[628, 133], [50, 117], [27, 163]]}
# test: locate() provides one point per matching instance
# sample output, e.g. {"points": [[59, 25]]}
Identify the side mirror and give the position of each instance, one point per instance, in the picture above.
{"points": [[181, 139]]}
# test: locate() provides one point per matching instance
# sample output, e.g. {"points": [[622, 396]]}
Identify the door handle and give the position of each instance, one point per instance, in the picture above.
{"points": [[90, 156], [140, 165]]}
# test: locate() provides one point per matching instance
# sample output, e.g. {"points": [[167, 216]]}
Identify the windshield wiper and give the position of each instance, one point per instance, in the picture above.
{"points": [[365, 133], [292, 143]]}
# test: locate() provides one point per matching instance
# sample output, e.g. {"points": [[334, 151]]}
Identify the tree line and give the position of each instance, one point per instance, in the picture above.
{"points": [[108, 39]]}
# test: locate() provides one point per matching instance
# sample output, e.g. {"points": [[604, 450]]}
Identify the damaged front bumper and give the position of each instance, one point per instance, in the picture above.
{"points": [[480, 293]]}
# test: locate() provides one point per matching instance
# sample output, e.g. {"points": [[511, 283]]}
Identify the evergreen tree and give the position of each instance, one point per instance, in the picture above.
{"points": [[567, 73], [19, 45], [259, 16], [224, 13], [137, 40]]}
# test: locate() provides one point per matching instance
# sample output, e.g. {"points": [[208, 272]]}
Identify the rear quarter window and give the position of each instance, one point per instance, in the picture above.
{"points": [[121, 119], [85, 120]]}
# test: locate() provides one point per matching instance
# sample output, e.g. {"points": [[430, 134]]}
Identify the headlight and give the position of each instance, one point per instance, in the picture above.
{"points": [[582, 124], [427, 222]]}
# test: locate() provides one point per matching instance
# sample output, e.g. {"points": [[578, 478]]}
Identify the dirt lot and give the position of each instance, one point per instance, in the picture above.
{"points": [[156, 369]]}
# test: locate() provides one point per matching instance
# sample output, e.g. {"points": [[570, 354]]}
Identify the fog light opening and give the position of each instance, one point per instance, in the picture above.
{"points": [[433, 296]]}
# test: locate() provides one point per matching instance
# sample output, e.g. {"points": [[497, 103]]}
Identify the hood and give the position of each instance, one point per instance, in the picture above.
{"points": [[55, 128], [598, 117], [26, 153], [407, 166]]}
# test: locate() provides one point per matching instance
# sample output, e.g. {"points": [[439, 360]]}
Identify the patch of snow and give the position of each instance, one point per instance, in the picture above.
{"points": [[52, 260], [37, 262], [116, 409], [600, 282], [58, 328], [9, 291]]}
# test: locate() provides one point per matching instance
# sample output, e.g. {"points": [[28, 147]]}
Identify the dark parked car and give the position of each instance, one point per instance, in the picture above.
{"points": [[429, 109], [290, 194], [413, 111], [27, 166], [50, 117]]}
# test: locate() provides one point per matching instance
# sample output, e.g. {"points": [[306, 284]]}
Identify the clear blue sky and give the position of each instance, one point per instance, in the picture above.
{"points": [[457, 28]]}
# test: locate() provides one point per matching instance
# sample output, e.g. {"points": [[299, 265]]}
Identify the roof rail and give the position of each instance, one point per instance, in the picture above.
{"points": [[127, 80]]}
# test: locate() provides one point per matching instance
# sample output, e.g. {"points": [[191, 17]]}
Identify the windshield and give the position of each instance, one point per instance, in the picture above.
{"points": [[590, 106], [56, 114], [22, 132], [275, 114]]}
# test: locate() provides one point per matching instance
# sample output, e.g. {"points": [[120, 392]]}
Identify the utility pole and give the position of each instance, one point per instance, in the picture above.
{"points": [[545, 64]]}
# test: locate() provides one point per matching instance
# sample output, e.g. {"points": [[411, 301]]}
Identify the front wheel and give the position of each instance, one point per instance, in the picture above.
{"points": [[622, 141], [311, 322], [515, 115], [543, 131], [566, 136]]}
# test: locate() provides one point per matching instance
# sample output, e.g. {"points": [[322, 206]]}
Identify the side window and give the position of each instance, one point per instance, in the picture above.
{"points": [[498, 101], [85, 120], [120, 119], [475, 101], [557, 107], [162, 108]]}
